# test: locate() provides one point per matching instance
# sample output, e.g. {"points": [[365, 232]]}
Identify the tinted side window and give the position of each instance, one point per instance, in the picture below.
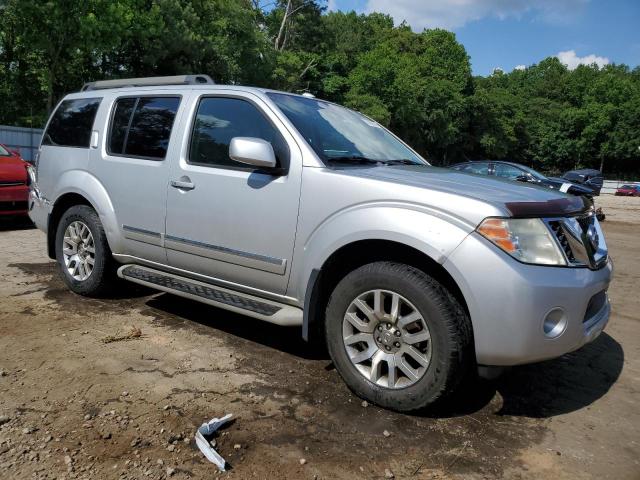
{"points": [[508, 171], [141, 127], [71, 125], [120, 124], [151, 127], [478, 168], [218, 120]]}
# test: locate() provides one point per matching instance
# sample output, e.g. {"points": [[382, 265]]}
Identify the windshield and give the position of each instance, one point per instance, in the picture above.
{"points": [[4, 152], [338, 134]]}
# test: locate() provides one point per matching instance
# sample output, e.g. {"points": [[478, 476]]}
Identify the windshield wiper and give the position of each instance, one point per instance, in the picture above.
{"points": [[402, 161], [358, 159], [355, 159]]}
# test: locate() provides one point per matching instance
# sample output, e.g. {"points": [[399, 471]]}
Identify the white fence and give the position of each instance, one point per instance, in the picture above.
{"points": [[24, 140], [610, 186]]}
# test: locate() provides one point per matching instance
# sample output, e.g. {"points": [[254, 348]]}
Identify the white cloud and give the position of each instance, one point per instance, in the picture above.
{"points": [[520, 67], [571, 60], [332, 5], [452, 14]]}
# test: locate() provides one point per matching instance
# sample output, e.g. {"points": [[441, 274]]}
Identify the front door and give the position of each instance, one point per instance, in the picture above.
{"points": [[224, 219]]}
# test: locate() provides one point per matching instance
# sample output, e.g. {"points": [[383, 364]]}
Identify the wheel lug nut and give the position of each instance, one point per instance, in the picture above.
{"points": [[397, 333], [388, 326], [379, 339], [397, 344], [380, 327], [388, 347]]}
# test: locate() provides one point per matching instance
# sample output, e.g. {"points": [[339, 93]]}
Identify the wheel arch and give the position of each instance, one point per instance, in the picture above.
{"points": [[62, 204], [92, 194], [356, 254]]}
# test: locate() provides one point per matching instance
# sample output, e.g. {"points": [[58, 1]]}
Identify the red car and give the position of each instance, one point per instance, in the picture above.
{"points": [[14, 189], [628, 191]]}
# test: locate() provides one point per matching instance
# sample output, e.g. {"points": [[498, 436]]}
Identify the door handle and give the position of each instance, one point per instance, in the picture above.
{"points": [[182, 185]]}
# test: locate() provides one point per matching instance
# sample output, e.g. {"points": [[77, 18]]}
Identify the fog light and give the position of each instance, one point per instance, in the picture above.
{"points": [[554, 323]]}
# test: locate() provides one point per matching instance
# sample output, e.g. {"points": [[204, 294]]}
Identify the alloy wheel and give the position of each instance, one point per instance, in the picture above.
{"points": [[78, 250], [387, 339]]}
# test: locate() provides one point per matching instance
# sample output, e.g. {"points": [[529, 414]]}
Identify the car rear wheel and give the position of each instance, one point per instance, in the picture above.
{"points": [[397, 337], [83, 254]]}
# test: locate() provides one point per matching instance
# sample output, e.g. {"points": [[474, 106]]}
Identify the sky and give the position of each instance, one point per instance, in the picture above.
{"points": [[510, 34]]}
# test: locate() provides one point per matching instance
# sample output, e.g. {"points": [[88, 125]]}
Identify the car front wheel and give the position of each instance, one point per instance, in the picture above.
{"points": [[397, 337]]}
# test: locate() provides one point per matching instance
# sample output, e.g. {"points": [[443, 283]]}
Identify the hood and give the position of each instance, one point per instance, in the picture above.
{"points": [[12, 169], [517, 199]]}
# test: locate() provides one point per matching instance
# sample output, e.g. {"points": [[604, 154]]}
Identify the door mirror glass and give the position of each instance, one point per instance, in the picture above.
{"points": [[252, 151]]}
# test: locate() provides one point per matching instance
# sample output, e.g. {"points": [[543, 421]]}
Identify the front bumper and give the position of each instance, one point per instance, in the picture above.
{"points": [[13, 200], [508, 302]]}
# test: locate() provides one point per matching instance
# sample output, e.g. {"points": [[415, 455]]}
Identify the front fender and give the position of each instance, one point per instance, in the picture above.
{"points": [[83, 183], [431, 232]]}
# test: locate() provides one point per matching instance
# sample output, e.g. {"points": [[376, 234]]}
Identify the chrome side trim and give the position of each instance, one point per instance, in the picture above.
{"points": [[225, 254], [142, 235]]}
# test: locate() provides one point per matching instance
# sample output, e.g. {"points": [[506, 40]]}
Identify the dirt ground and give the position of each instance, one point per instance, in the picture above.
{"points": [[73, 406]]}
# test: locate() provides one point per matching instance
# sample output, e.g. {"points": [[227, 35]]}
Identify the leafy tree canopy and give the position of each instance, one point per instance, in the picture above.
{"points": [[418, 84]]}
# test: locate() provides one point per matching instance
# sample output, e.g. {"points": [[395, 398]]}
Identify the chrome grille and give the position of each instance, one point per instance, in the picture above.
{"points": [[556, 228], [580, 239]]}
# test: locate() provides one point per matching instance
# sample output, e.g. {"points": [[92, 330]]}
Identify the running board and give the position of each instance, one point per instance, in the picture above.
{"points": [[252, 306]]}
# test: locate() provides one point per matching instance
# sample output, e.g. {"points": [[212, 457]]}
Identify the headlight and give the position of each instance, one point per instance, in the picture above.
{"points": [[525, 239]]}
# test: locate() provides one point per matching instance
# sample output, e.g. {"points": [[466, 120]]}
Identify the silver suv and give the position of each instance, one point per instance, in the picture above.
{"points": [[300, 212]]}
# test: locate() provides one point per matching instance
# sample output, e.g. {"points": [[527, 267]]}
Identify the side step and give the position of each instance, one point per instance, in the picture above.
{"points": [[256, 307]]}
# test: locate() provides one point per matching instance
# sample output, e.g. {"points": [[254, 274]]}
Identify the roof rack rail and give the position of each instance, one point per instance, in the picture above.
{"points": [[149, 82]]}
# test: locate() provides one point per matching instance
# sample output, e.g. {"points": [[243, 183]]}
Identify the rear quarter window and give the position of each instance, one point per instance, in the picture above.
{"points": [[72, 123]]}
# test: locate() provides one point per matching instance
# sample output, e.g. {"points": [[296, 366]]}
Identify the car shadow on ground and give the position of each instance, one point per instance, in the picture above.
{"points": [[555, 387], [285, 339], [542, 390], [15, 223]]}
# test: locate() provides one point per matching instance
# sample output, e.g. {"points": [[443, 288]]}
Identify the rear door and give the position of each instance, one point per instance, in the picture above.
{"points": [[232, 222], [133, 166]]}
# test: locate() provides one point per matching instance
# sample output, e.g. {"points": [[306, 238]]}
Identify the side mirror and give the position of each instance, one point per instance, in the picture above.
{"points": [[252, 151], [522, 178]]}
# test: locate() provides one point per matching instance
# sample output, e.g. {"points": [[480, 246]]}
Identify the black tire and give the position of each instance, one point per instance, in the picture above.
{"points": [[103, 278], [449, 325]]}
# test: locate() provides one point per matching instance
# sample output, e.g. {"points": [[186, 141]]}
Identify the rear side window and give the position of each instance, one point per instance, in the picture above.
{"points": [[72, 123], [220, 119], [120, 124], [141, 126], [477, 168], [508, 171]]}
